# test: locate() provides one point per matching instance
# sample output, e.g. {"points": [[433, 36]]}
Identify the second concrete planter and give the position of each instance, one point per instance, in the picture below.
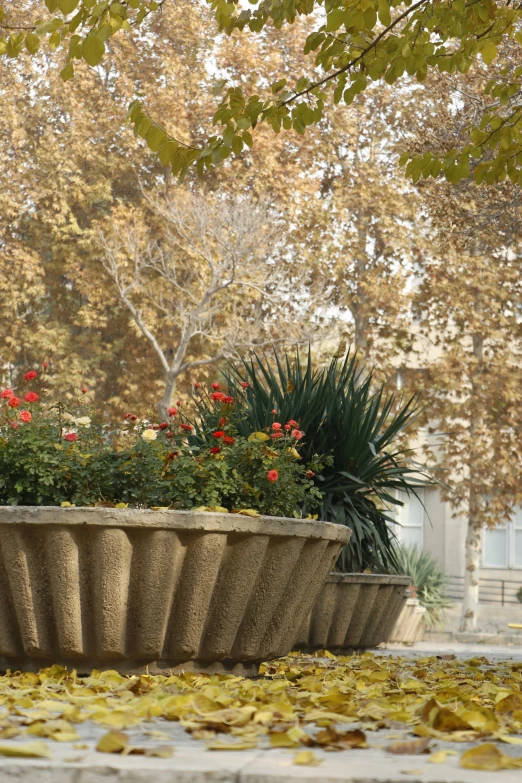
{"points": [[411, 624], [156, 590], [353, 612]]}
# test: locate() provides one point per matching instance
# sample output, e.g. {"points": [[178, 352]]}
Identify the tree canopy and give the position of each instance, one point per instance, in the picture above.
{"points": [[350, 43]]}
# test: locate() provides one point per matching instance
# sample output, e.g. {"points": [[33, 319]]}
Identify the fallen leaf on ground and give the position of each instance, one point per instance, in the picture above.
{"points": [[489, 758], [440, 756], [113, 742], [26, 750], [409, 747], [306, 758]]}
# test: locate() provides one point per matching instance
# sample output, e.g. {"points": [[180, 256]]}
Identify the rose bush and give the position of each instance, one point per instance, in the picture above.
{"points": [[52, 453]]}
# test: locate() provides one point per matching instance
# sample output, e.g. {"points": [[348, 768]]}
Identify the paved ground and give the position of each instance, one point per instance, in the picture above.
{"points": [[192, 762]]}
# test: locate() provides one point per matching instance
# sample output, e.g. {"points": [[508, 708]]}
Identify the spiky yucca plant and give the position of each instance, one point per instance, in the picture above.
{"points": [[347, 417], [428, 578]]}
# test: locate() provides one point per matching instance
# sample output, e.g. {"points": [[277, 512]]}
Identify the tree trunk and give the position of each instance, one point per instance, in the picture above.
{"points": [[468, 620], [166, 401], [470, 604]]}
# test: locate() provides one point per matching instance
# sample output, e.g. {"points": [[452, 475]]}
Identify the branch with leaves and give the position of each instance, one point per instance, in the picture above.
{"points": [[355, 43]]}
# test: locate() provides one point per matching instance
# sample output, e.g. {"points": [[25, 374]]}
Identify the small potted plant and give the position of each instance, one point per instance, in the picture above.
{"points": [[426, 600], [136, 548]]}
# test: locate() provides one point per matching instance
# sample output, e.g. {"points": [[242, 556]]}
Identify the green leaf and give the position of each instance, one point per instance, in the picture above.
{"points": [[67, 72], [93, 50], [32, 43], [247, 138], [52, 5], [335, 19], [67, 6], [489, 52]]}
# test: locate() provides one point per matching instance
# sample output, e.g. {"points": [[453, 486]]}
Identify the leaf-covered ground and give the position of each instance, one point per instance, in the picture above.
{"points": [[299, 702]]}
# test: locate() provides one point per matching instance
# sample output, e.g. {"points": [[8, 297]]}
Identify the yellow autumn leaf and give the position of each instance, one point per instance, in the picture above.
{"points": [[261, 436], [489, 758], [113, 742], [306, 758], [26, 750]]}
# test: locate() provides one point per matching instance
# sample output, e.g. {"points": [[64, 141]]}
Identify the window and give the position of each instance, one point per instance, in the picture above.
{"points": [[410, 530], [502, 546]]}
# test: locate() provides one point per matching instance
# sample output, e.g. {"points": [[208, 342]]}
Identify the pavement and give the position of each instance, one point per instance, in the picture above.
{"points": [[193, 762]]}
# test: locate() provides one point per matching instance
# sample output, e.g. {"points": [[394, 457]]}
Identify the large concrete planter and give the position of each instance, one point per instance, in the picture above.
{"points": [[128, 589], [411, 624], [353, 611]]}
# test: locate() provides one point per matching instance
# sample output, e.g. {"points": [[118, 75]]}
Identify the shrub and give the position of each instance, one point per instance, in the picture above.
{"points": [[355, 424], [56, 454]]}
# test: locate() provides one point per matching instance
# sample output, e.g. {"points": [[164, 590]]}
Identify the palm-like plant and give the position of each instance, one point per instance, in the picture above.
{"points": [[344, 416]]}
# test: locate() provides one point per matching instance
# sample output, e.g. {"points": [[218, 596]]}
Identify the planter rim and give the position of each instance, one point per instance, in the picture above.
{"points": [[173, 520], [372, 579]]}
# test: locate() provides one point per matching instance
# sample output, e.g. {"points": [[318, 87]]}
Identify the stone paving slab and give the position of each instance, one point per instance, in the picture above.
{"points": [[192, 762]]}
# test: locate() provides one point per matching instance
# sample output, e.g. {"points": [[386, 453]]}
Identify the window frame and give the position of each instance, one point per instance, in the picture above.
{"points": [[511, 530], [399, 513]]}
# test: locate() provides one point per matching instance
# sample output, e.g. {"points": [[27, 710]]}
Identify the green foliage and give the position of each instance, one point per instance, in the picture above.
{"points": [[355, 427], [428, 579], [63, 455], [355, 43]]}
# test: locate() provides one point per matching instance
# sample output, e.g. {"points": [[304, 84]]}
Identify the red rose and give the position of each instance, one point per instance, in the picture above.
{"points": [[288, 426], [178, 403], [278, 434], [172, 411], [197, 385], [126, 415], [133, 417], [30, 375], [14, 402], [217, 396], [31, 397], [14, 425], [215, 385], [228, 400], [293, 423], [6, 394], [245, 385], [215, 450], [169, 434], [223, 420], [309, 474], [25, 416], [276, 425], [272, 476], [45, 365], [72, 437], [84, 390], [172, 454], [274, 410], [187, 427], [218, 434], [228, 440], [163, 425], [297, 434]]}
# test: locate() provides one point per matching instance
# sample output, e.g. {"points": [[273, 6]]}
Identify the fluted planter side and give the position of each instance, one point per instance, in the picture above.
{"points": [[352, 612], [127, 589], [411, 624]]}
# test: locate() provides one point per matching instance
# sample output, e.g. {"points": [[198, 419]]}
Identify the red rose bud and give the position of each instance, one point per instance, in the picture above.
{"points": [[172, 411], [215, 386], [309, 474], [272, 476], [163, 426], [84, 390], [45, 365], [288, 426], [245, 385], [197, 385], [274, 411], [30, 375], [187, 427], [14, 425], [223, 420], [215, 450]]}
